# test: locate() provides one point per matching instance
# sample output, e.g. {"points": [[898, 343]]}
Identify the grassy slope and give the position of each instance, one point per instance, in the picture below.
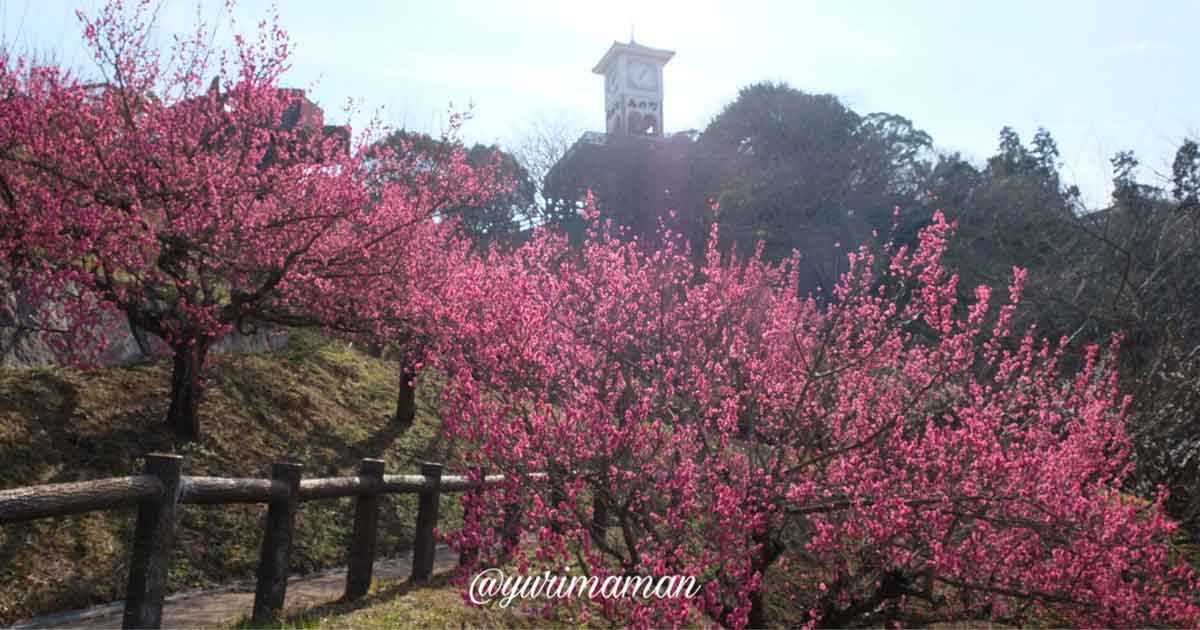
{"points": [[318, 401], [399, 604]]}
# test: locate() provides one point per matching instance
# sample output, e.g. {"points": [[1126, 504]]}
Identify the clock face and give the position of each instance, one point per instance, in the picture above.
{"points": [[643, 75], [611, 82]]}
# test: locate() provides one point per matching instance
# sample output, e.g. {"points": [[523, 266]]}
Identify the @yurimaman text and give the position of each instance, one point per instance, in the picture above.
{"points": [[493, 585]]}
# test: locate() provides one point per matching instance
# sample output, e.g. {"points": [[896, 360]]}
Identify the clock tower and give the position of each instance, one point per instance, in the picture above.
{"points": [[633, 93], [637, 173]]}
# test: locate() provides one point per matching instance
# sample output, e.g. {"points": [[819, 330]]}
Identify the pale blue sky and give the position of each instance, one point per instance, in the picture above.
{"points": [[1102, 76]]}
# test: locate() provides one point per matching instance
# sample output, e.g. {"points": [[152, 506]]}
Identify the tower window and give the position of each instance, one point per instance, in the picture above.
{"points": [[643, 124]]}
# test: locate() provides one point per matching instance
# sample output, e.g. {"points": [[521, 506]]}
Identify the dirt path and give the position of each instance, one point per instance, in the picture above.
{"points": [[223, 606]]}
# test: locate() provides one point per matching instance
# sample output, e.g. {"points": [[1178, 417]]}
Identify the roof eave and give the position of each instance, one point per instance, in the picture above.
{"points": [[637, 49]]}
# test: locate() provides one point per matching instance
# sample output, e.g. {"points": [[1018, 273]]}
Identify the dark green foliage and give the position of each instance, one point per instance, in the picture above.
{"points": [[1185, 174], [1015, 212], [506, 215], [803, 171], [500, 220]]}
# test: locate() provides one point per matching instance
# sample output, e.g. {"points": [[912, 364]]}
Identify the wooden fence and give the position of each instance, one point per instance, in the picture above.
{"points": [[162, 488]]}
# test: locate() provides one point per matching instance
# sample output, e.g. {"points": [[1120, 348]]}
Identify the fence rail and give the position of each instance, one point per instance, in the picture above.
{"points": [[162, 488], [62, 499]]}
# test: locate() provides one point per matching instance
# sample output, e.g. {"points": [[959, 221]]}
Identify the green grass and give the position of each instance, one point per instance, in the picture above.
{"points": [[318, 401], [401, 604]]}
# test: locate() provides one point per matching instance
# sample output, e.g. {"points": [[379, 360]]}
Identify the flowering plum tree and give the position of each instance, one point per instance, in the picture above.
{"points": [[878, 454], [196, 209], [394, 298]]}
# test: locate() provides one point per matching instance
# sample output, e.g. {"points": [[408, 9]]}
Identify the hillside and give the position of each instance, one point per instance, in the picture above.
{"points": [[440, 604], [318, 401]]}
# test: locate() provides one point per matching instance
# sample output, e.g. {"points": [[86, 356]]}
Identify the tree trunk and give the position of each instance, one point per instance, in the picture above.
{"points": [[758, 611], [184, 414], [771, 550], [139, 336], [599, 518], [406, 400]]}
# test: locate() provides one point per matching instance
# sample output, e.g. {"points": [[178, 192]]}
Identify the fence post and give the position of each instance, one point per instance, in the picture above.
{"points": [[468, 555], [273, 564], [427, 516], [366, 518], [153, 538]]}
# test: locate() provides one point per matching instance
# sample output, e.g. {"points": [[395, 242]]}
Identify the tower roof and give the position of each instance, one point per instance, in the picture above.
{"points": [[618, 48]]}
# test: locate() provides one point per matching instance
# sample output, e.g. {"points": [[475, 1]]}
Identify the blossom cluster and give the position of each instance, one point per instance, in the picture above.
{"points": [[873, 453], [195, 206], [191, 208]]}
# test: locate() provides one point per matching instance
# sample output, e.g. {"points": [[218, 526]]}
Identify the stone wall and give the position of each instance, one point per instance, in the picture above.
{"points": [[23, 347]]}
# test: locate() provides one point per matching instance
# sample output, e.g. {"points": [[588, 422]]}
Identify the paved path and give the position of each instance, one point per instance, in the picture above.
{"points": [[224, 606]]}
